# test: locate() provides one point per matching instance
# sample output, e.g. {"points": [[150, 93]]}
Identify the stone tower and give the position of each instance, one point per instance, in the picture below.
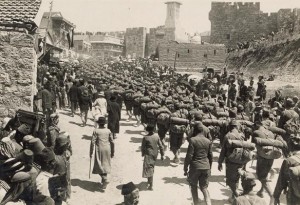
{"points": [[173, 29], [173, 14]]}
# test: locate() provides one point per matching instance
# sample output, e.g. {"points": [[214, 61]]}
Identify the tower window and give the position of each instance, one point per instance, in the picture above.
{"points": [[188, 50], [168, 51], [215, 52], [228, 36], [205, 55], [178, 55]]}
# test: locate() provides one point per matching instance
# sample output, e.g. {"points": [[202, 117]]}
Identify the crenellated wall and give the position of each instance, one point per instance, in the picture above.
{"points": [[233, 23]]}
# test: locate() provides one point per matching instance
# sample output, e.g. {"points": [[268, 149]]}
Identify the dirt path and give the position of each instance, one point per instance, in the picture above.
{"points": [[170, 186]]}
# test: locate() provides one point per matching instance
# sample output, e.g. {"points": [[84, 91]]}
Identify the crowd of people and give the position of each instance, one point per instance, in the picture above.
{"points": [[220, 108]]}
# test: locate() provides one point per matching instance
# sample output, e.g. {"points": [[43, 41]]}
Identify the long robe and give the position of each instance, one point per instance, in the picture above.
{"points": [[102, 140], [114, 116]]}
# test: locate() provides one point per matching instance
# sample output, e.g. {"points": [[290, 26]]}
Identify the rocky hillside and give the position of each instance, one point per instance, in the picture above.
{"points": [[282, 60]]}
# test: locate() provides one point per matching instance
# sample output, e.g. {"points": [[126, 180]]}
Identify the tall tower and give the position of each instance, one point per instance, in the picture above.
{"points": [[173, 14], [173, 29]]}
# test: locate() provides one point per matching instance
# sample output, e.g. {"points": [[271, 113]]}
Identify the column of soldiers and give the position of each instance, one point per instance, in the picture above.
{"points": [[201, 114], [247, 129]]}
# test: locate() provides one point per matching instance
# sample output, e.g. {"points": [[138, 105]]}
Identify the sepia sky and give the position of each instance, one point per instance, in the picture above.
{"points": [[117, 15]]}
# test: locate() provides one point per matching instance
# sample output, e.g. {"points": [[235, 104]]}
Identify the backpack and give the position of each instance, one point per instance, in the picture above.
{"points": [[291, 126], [268, 151], [151, 113], [240, 155], [178, 129], [129, 96], [163, 119], [294, 173]]}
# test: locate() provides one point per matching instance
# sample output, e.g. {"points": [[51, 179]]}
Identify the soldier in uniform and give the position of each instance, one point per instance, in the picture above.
{"points": [[231, 94], [285, 182], [263, 165], [288, 113], [198, 163], [232, 175]]}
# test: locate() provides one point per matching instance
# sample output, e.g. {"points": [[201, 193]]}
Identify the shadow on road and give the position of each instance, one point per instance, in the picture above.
{"points": [[217, 178], [75, 123], [86, 185], [133, 132], [142, 186], [86, 137], [65, 113], [175, 180], [136, 140], [165, 163], [127, 124]]}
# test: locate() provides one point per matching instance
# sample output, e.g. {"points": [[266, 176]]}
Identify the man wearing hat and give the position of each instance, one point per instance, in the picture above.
{"points": [[101, 104], [288, 113], [21, 132], [73, 95], [231, 94], [53, 130], [63, 147], [285, 180], [232, 176], [114, 116], [248, 197], [198, 162], [249, 107], [56, 165], [131, 194], [263, 165], [103, 142]]}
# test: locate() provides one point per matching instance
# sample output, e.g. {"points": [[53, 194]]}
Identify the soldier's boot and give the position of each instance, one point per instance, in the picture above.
{"points": [[195, 197], [206, 196]]}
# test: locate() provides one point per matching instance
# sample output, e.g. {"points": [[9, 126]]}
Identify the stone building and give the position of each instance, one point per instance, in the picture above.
{"points": [[191, 55], [237, 22], [135, 42], [82, 44], [59, 35], [18, 59], [106, 46]]}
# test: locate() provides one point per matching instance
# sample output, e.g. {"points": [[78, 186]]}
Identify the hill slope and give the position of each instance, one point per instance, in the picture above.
{"points": [[282, 60]]}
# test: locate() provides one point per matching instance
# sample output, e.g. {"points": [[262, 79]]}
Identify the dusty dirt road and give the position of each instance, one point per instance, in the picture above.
{"points": [[170, 186]]}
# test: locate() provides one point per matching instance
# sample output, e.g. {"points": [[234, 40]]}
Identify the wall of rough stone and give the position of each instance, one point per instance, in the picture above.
{"points": [[135, 42], [244, 21], [18, 68], [192, 55], [156, 36]]}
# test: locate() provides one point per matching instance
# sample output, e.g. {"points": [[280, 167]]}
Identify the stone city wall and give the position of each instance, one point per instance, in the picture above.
{"points": [[18, 68], [192, 55], [232, 23]]}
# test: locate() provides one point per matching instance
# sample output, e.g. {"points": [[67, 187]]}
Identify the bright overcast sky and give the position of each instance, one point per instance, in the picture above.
{"points": [[117, 15]]}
